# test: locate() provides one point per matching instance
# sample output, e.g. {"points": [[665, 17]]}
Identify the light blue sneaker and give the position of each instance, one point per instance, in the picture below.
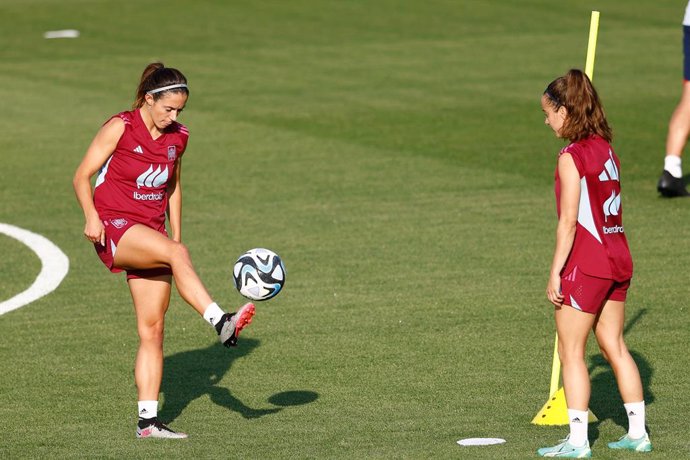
{"points": [[642, 444], [566, 450]]}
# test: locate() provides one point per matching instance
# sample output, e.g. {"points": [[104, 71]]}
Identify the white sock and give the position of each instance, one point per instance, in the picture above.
{"points": [[672, 164], [578, 421], [636, 419], [213, 313], [148, 409]]}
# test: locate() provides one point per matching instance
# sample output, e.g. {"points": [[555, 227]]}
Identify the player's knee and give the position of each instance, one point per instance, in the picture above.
{"points": [[613, 350], [152, 335], [571, 354], [179, 252]]}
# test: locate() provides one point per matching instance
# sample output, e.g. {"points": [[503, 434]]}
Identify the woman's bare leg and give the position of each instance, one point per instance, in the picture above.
{"points": [[573, 329], [151, 297], [609, 332], [142, 248]]}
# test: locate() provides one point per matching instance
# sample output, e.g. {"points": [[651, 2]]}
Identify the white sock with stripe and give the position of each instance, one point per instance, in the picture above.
{"points": [[636, 419], [148, 409], [578, 421], [213, 313]]}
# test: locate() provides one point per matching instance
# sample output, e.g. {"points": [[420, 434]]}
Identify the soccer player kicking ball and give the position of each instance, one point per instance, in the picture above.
{"points": [[138, 157], [592, 266]]}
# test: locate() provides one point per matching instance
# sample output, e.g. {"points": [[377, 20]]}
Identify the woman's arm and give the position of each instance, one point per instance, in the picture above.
{"points": [[175, 202], [101, 148], [567, 222]]}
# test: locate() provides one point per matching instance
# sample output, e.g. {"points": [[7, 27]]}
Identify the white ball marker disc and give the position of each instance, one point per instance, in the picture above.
{"points": [[481, 441]]}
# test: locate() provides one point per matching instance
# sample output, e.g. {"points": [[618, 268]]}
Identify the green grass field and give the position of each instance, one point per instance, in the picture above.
{"points": [[394, 154]]}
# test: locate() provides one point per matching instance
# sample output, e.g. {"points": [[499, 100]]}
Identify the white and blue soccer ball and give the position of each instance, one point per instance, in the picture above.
{"points": [[259, 274]]}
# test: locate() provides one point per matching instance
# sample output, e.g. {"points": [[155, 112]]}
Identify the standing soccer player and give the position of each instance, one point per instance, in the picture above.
{"points": [[671, 182], [592, 266], [138, 155]]}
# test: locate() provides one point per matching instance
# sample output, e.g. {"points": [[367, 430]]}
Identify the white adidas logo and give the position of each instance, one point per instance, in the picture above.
{"points": [[610, 171], [138, 149]]}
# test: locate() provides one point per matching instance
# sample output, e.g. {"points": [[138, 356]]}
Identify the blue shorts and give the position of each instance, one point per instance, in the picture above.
{"points": [[686, 53]]}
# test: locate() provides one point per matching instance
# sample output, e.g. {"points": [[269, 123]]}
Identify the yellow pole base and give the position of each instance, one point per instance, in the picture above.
{"points": [[555, 411]]}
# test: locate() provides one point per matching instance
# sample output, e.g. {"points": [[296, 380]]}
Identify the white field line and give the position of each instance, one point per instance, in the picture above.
{"points": [[54, 267]]}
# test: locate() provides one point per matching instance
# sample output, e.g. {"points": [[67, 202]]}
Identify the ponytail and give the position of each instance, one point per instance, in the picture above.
{"points": [[155, 77], [585, 113]]}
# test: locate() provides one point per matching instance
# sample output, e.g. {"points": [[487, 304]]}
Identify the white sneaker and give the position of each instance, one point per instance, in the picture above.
{"points": [[156, 429]]}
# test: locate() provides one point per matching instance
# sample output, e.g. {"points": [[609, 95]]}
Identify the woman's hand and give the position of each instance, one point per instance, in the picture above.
{"points": [[94, 230], [553, 290]]}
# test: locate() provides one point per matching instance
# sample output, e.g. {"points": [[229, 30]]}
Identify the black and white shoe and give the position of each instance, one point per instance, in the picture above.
{"points": [[670, 186], [154, 428], [231, 324]]}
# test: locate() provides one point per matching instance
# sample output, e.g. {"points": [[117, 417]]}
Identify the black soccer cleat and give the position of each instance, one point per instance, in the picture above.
{"points": [[670, 186], [231, 324]]}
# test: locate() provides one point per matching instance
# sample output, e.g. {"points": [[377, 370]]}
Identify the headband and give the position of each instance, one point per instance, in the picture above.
{"points": [[553, 98], [165, 88]]}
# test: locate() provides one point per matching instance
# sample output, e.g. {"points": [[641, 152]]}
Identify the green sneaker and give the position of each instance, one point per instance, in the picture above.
{"points": [[638, 445], [566, 450]]}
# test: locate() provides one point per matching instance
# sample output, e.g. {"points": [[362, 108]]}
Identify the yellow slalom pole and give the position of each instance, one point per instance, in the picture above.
{"points": [[555, 369], [554, 411], [592, 44]]}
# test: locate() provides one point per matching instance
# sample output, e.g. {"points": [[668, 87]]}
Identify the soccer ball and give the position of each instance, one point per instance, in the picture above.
{"points": [[259, 274]]}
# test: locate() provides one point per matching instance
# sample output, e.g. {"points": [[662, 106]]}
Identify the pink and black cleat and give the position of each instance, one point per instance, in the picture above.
{"points": [[231, 324]]}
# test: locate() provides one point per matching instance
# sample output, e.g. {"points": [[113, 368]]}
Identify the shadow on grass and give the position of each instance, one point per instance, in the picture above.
{"points": [[192, 374], [606, 402]]}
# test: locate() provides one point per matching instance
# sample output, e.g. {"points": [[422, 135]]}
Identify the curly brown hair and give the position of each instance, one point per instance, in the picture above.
{"points": [[585, 113]]}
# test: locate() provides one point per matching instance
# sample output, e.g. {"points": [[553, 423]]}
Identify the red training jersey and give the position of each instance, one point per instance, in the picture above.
{"points": [[600, 248], [133, 182]]}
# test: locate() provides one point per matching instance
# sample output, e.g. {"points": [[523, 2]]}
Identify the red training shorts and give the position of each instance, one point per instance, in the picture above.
{"points": [[589, 293], [114, 229]]}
